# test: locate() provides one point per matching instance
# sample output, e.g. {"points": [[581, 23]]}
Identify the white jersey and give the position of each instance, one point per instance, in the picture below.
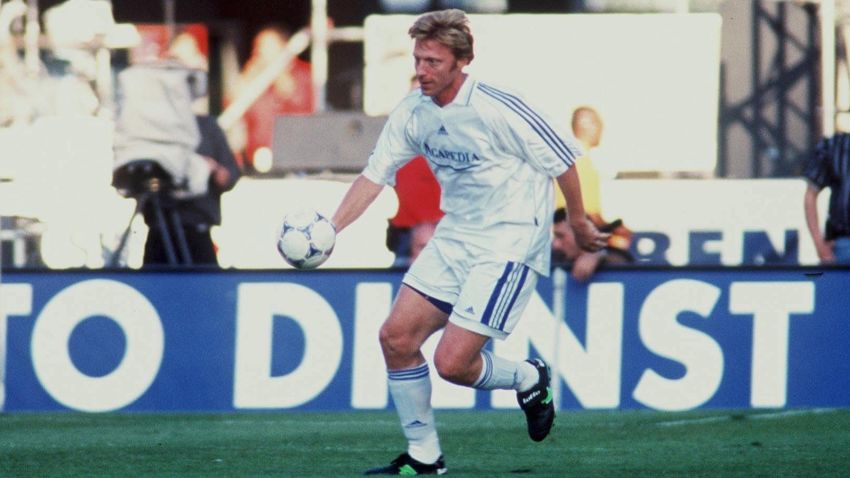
{"points": [[494, 157]]}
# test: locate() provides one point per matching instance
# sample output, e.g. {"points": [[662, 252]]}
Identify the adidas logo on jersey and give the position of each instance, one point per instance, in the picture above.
{"points": [[469, 310], [442, 130]]}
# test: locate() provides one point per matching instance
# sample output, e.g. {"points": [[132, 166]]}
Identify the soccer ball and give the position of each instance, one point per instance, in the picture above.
{"points": [[306, 239]]}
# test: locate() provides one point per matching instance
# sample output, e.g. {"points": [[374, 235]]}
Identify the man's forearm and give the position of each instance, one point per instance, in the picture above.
{"points": [[358, 198], [571, 189], [810, 208]]}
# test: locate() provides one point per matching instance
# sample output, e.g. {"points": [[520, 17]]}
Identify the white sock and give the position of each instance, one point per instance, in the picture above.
{"points": [[498, 373], [411, 392]]}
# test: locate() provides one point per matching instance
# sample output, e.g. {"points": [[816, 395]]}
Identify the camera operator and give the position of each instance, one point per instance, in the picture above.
{"points": [[199, 213], [187, 156]]}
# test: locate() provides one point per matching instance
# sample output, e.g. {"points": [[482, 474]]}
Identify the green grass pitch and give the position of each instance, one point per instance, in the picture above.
{"points": [[792, 443]]}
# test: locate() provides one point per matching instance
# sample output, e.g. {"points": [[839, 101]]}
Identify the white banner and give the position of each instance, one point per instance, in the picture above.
{"points": [[701, 221], [654, 78], [709, 221]]}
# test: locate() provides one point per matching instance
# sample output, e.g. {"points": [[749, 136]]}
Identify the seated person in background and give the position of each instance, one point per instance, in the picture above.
{"points": [[198, 214], [418, 204], [587, 127], [566, 251]]}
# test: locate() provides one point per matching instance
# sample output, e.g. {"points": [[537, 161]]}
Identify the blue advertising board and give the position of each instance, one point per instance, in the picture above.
{"points": [[656, 338]]}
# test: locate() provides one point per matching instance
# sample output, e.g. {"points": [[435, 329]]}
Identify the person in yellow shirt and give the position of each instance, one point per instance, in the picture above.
{"points": [[587, 128]]}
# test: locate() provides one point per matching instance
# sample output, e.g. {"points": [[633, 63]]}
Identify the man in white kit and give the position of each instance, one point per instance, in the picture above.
{"points": [[494, 157]]}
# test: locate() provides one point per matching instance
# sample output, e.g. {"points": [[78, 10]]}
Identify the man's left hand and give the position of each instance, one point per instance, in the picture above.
{"points": [[588, 236]]}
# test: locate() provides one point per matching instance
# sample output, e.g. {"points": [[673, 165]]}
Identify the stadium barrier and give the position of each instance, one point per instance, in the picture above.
{"points": [[729, 222], [654, 338]]}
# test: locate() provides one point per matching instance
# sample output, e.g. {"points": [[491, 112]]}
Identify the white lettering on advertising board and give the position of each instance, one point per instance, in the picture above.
{"points": [[138, 368], [591, 365]]}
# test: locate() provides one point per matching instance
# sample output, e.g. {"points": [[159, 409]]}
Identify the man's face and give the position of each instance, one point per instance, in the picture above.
{"points": [[564, 241], [438, 71]]}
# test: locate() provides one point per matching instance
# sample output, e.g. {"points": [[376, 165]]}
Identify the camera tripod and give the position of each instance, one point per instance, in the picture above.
{"points": [[150, 184]]}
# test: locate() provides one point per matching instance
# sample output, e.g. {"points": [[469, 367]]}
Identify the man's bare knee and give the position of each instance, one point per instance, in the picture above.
{"points": [[396, 343], [455, 368], [447, 370]]}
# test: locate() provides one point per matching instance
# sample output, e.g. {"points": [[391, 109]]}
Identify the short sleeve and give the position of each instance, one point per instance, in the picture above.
{"points": [[817, 167], [527, 132], [394, 147]]}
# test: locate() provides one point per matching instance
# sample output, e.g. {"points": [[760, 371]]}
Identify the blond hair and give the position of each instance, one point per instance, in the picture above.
{"points": [[448, 27]]}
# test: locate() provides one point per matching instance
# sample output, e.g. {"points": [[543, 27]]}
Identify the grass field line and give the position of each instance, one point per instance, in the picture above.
{"points": [[754, 416]]}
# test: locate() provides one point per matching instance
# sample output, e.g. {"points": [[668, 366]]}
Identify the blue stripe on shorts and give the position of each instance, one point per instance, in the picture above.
{"points": [[504, 295]]}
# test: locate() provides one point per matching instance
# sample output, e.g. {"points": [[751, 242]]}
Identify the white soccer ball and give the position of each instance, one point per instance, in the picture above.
{"points": [[306, 239]]}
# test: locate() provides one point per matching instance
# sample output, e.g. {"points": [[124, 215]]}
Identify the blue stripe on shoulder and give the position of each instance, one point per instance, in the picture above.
{"points": [[538, 124]]}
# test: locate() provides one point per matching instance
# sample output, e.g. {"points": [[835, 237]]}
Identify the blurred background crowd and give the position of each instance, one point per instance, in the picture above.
{"points": [[179, 132]]}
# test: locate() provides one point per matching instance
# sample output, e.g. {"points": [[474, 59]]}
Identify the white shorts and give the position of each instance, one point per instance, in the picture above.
{"points": [[488, 295]]}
